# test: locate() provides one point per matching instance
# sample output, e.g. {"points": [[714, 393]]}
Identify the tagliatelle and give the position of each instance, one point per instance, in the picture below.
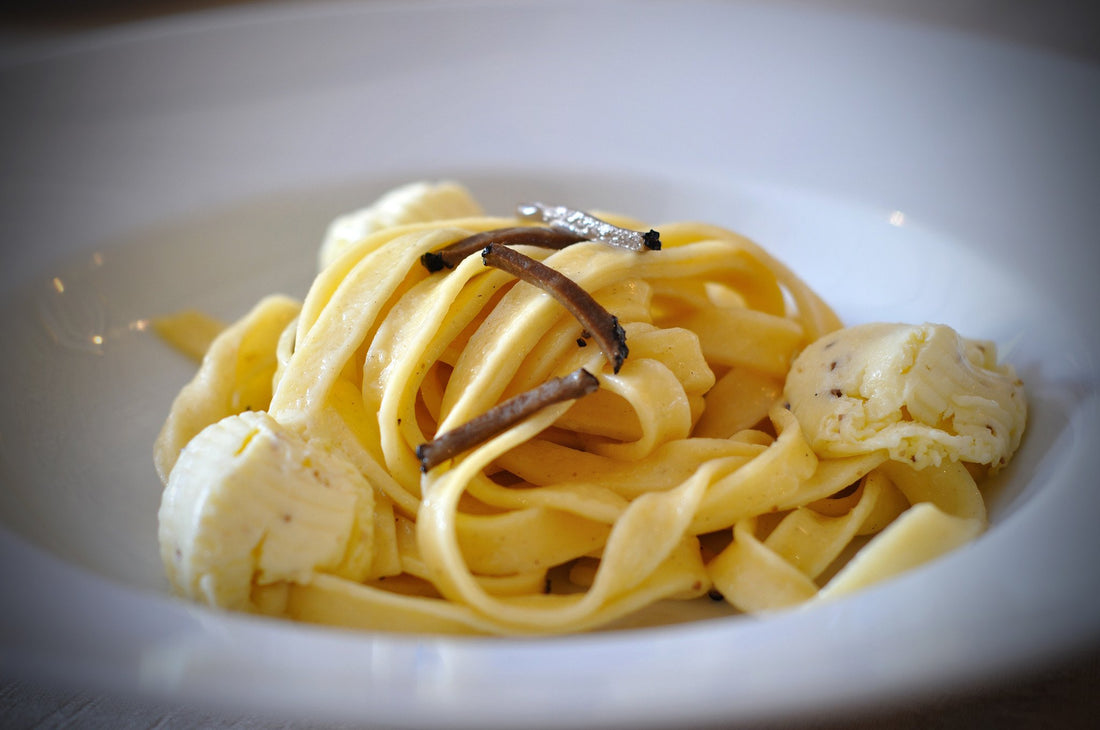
{"points": [[686, 473]]}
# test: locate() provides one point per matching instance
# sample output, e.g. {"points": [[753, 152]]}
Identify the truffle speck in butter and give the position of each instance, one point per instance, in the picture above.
{"points": [[921, 392]]}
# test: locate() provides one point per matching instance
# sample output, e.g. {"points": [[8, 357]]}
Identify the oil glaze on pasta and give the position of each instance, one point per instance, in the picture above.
{"points": [[293, 486]]}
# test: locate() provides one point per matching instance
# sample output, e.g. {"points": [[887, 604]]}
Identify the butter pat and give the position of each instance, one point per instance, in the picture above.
{"points": [[250, 503], [922, 393]]}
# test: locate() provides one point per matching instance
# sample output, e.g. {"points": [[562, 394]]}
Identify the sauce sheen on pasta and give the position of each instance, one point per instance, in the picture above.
{"points": [[625, 416]]}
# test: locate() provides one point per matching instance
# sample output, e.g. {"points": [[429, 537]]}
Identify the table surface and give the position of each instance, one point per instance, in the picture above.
{"points": [[1063, 696]]}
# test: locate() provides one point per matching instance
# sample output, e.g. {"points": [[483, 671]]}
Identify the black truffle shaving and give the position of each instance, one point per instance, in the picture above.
{"points": [[590, 227], [449, 256], [501, 417], [603, 325]]}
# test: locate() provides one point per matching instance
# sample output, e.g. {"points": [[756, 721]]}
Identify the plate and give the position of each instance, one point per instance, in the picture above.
{"points": [[906, 172]]}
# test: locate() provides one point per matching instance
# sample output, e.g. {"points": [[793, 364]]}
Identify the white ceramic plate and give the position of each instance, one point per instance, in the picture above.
{"points": [[907, 173]]}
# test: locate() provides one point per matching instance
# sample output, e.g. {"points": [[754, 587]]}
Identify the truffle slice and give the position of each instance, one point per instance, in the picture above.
{"points": [[601, 324], [590, 227], [501, 417]]}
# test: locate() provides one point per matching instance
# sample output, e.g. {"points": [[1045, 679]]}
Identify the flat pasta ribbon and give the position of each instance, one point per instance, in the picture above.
{"points": [[683, 474]]}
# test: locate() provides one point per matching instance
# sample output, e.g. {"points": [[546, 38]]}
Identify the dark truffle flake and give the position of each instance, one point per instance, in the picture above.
{"points": [[500, 418], [603, 325], [590, 227], [451, 255]]}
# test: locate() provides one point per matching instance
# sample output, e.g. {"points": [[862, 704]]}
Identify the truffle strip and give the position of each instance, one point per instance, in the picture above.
{"points": [[450, 255], [590, 227], [503, 416], [603, 326]]}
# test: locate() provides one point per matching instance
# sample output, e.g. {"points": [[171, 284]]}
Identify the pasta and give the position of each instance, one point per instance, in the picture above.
{"points": [[295, 469]]}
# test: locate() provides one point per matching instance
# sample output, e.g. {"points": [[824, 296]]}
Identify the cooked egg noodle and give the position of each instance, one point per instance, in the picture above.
{"points": [[382, 356]]}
